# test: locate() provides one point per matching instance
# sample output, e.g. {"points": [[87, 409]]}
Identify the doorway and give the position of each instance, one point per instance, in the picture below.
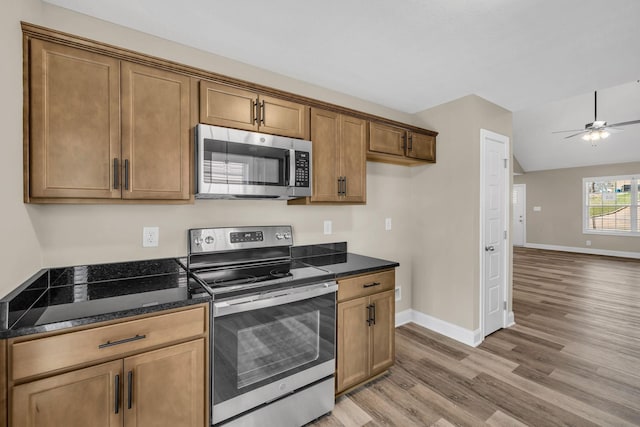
{"points": [[519, 220], [494, 208]]}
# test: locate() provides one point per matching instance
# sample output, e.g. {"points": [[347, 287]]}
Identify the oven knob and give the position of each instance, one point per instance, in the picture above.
{"points": [[280, 236], [287, 236], [208, 240]]}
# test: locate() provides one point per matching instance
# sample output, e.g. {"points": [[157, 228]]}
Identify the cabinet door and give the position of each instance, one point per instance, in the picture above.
{"points": [[75, 127], [422, 147], [353, 158], [75, 399], [387, 139], [325, 135], [223, 105], [285, 118], [353, 344], [166, 387], [155, 133], [383, 332]]}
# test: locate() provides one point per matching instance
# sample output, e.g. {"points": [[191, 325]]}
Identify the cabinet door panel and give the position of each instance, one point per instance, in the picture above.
{"points": [[383, 331], [155, 133], [222, 105], [353, 344], [168, 387], [353, 158], [75, 399], [325, 135], [75, 127], [422, 147], [284, 118], [387, 139]]}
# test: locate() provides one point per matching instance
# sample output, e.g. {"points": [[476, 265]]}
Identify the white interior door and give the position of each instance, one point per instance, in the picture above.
{"points": [[519, 209], [494, 181]]}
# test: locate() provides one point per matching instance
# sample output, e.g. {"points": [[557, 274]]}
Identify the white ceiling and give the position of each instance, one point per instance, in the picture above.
{"points": [[524, 55]]}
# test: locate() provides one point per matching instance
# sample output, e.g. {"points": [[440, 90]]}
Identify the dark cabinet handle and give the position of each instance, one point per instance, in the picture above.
{"points": [[410, 142], [369, 315], [129, 389], [373, 309], [126, 174], [339, 186], [255, 112], [370, 285], [262, 113], [116, 386], [126, 340], [404, 141], [344, 189], [116, 174]]}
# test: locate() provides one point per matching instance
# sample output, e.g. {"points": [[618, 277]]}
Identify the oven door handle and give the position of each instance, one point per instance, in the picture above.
{"points": [[271, 299]]}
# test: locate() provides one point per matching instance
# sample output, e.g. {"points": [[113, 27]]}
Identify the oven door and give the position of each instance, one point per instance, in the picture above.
{"points": [[269, 345]]}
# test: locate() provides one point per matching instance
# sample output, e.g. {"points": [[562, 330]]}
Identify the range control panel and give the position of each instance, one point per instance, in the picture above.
{"points": [[246, 236]]}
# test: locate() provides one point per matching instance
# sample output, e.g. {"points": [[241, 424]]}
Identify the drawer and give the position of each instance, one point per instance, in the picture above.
{"points": [[54, 352], [368, 284]]}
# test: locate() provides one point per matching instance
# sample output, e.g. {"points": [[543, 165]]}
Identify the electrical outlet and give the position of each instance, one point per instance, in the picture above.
{"points": [[588, 242], [537, 208], [398, 294], [387, 224], [150, 237], [327, 226]]}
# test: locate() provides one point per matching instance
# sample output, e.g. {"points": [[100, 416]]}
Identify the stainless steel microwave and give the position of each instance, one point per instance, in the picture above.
{"points": [[237, 164]]}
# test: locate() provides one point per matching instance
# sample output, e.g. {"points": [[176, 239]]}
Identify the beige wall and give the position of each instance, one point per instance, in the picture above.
{"points": [[446, 200], [559, 193]]}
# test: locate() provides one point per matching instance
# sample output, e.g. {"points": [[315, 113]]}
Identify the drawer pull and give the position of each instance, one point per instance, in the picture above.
{"points": [[370, 285], [126, 340]]}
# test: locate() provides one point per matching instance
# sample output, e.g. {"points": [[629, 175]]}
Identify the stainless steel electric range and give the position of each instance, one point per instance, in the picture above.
{"points": [[273, 327]]}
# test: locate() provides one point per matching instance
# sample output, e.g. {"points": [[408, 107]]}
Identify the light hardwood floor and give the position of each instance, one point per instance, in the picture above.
{"points": [[573, 357]]}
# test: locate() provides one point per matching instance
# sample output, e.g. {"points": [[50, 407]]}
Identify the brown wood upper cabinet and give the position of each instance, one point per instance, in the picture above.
{"points": [[339, 159], [397, 145], [101, 128], [230, 106]]}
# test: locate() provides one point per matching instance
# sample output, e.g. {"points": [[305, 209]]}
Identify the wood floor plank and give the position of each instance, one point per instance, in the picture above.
{"points": [[572, 358]]}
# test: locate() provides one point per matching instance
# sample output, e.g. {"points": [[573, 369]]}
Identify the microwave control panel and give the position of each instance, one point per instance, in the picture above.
{"points": [[302, 169]]}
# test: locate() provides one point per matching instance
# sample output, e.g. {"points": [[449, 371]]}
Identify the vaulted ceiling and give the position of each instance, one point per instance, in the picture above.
{"points": [[540, 59]]}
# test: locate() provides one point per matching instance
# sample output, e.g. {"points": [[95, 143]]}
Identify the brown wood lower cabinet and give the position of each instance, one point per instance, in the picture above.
{"points": [[366, 325], [159, 387]]}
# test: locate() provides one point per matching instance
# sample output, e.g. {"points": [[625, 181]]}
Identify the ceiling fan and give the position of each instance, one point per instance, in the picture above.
{"points": [[598, 129]]}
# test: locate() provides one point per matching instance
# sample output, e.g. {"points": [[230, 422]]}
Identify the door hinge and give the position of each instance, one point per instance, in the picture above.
{"points": [[505, 234], [505, 163]]}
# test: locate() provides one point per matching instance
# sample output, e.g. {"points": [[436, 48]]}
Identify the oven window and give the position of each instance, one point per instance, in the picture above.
{"points": [[232, 163], [257, 347], [270, 349]]}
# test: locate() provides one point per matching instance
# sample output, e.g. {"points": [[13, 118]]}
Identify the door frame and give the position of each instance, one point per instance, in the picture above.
{"points": [[484, 136], [524, 212]]}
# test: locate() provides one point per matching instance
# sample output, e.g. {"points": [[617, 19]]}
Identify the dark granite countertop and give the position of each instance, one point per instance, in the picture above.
{"points": [[59, 298], [334, 258]]}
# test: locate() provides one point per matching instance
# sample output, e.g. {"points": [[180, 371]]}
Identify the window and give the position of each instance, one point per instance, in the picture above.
{"points": [[612, 205]]}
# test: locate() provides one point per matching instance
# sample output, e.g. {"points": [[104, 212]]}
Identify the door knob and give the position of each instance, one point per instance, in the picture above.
{"points": [[489, 248]]}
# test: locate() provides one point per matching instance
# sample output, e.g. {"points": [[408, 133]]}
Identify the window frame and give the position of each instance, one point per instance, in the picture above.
{"points": [[634, 204]]}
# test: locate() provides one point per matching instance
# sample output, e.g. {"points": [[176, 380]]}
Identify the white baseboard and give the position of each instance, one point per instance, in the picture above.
{"points": [[592, 251], [458, 333], [511, 320]]}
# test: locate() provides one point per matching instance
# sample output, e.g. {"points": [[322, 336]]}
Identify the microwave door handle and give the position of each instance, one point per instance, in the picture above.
{"points": [[292, 168]]}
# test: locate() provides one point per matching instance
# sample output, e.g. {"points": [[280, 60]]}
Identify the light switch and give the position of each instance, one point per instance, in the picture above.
{"points": [[387, 224]]}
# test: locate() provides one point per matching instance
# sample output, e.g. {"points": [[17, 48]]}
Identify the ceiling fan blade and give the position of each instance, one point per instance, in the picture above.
{"points": [[575, 134], [571, 130], [614, 130], [632, 122]]}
